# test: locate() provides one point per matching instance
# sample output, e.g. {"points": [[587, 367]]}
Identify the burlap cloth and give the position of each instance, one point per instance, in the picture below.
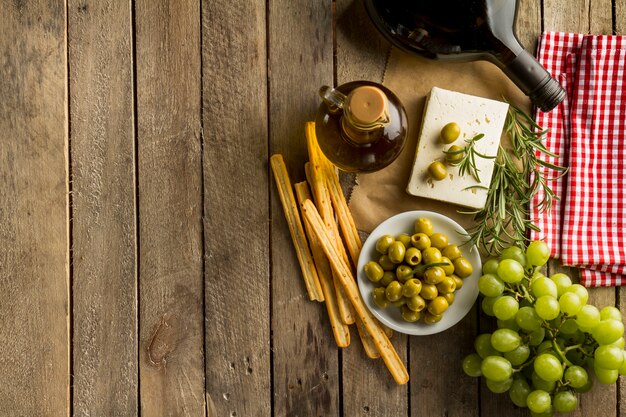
{"points": [[379, 195]]}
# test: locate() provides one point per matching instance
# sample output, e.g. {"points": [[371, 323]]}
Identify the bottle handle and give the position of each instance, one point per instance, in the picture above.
{"points": [[333, 98]]}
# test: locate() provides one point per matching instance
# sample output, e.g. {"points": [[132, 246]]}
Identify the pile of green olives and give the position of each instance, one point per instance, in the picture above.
{"points": [[417, 273]]}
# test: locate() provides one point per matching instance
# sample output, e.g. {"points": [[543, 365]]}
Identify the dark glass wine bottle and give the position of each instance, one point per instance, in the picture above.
{"points": [[466, 30]]}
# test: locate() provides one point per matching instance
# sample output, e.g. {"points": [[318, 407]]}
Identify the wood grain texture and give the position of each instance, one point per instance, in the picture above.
{"points": [[306, 377], [584, 16], [170, 208], [103, 233], [236, 214], [581, 16], [620, 17], [528, 23], [368, 389], [34, 267]]}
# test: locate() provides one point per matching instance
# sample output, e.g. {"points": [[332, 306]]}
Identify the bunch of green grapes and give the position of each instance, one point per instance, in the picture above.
{"points": [[548, 338]]}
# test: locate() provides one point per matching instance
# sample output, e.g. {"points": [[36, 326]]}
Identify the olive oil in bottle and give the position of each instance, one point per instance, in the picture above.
{"points": [[361, 126]]}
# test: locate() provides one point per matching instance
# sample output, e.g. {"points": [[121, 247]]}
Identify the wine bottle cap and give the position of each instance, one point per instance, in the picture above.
{"points": [[367, 105]]}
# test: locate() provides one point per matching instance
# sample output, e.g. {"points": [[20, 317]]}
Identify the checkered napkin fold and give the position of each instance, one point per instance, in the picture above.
{"points": [[587, 227]]}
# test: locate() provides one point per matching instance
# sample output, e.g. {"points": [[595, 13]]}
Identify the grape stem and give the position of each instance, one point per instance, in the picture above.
{"points": [[567, 349], [560, 353]]}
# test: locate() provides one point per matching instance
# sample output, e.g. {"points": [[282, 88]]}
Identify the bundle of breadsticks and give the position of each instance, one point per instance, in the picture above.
{"points": [[328, 245]]}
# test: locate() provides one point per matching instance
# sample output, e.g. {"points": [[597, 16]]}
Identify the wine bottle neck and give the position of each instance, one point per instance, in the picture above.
{"points": [[533, 79]]}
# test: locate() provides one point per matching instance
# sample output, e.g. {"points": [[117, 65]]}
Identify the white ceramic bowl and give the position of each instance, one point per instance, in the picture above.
{"points": [[464, 298]]}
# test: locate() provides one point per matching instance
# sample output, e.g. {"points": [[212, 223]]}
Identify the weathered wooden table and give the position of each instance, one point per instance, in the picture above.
{"points": [[145, 263]]}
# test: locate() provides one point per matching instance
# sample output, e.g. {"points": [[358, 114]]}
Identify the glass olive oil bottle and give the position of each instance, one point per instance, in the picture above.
{"points": [[361, 126], [465, 30]]}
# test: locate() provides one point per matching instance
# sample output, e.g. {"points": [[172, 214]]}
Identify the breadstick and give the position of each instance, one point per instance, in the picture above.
{"points": [[324, 272], [380, 339], [368, 344], [346, 311], [292, 214], [346, 221]]}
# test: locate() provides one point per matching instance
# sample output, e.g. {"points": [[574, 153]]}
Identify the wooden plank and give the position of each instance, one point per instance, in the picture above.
{"points": [[305, 357], [171, 361], [368, 389], [103, 178], [585, 16], [528, 23], [620, 17], [34, 260], [581, 16], [236, 200]]}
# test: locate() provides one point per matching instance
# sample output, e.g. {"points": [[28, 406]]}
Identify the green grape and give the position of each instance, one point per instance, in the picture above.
{"points": [[471, 365], [519, 391], [562, 281], [499, 387], [508, 324], [587, 387], [608, 357], [570, 303], [576, 376], [568, 327], [528, 319], [608, 331], [482, 345], [505, 307], [515, 253], [580, 291], [539, 401], [619, 343], [490, 285], [548, 367], [542, 384], [536, 336], [537, 253], [505, 340], [518, 355], [544, 286], [491, 266], [605, 376], [622, 369], [487, 305], [565, 402], [610, 312], [536, 274], [511, 271], [545, 346], [588, 317], [496, 368], [547, 307]]}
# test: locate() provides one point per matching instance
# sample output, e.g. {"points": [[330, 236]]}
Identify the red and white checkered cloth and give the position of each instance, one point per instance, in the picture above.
{"points": [[587, 228]]}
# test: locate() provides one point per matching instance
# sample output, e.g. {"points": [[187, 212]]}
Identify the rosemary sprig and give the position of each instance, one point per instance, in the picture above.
{"points": [[519, 174], [467, 163]]}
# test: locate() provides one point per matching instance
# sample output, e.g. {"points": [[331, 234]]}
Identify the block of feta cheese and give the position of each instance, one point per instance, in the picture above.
{"points": [[474, 115]]}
